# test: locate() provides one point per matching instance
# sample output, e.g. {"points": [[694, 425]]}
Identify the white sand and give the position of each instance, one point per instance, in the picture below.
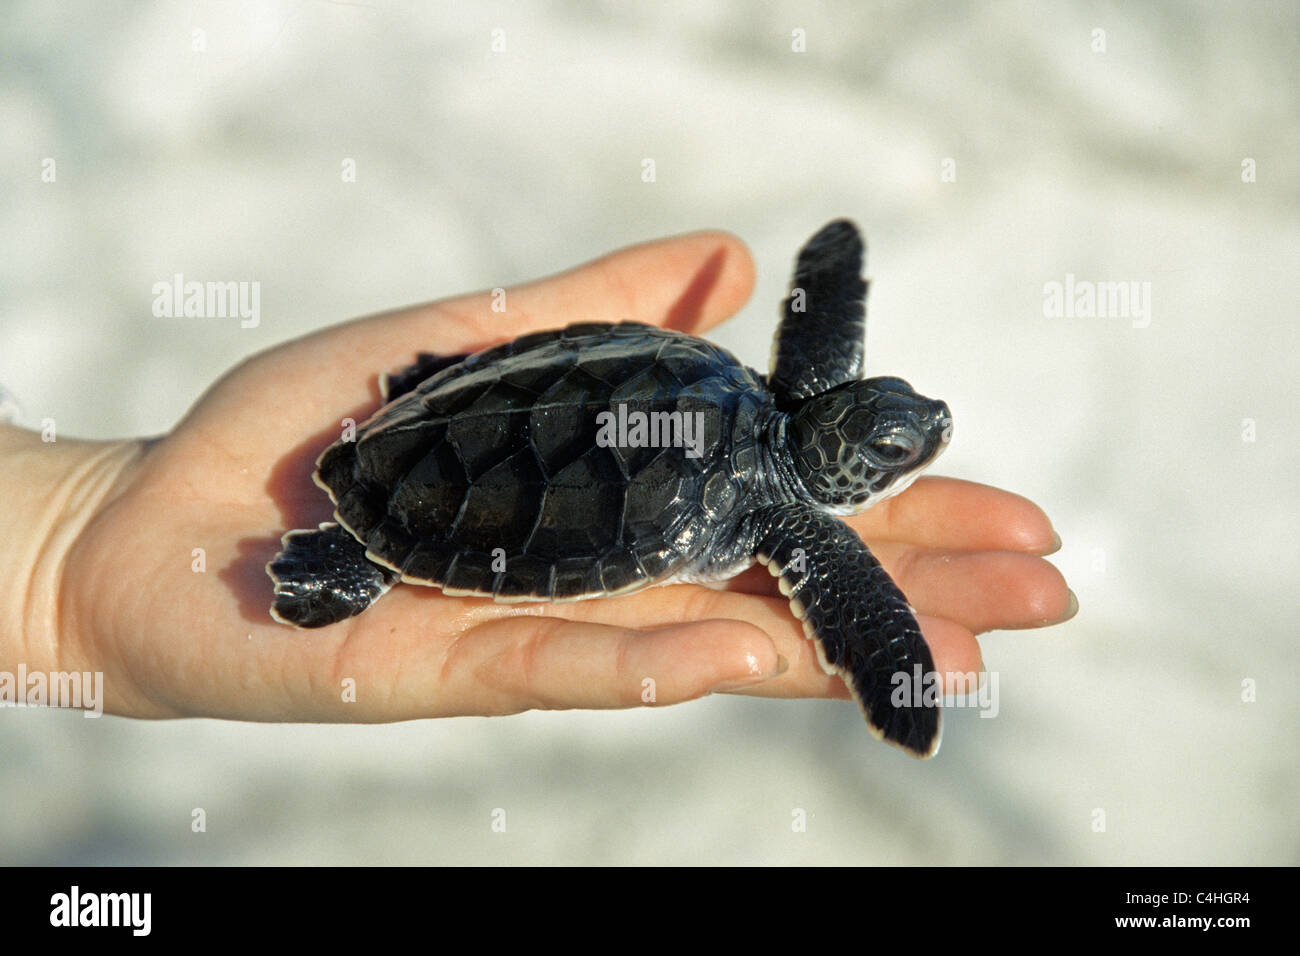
{"points": [[481, 169]]}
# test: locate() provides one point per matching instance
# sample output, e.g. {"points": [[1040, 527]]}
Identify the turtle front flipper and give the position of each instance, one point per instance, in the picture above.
{"points": [[323, 577], [396, 384], [858, 619], [823, 332]]}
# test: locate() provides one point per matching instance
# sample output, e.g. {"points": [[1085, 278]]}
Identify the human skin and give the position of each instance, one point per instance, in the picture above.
{"points": [[99, 558]]}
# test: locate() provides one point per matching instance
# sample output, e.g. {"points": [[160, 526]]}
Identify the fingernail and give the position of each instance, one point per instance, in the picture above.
{"points": [[1056, 545], [1071, 609], [738, 683]]}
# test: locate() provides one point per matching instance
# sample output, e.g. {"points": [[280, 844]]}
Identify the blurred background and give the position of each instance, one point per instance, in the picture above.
{"points": [[987, 150]]}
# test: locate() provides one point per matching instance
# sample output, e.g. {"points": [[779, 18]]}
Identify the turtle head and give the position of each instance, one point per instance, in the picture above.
{"points": [[865, 440]]}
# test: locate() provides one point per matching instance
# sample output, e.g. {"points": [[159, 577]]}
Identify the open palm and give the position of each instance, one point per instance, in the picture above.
{"points": [[181, 631]]}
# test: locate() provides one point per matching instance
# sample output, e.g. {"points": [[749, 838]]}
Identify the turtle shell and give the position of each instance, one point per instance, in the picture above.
{"points": [[496, 476]]}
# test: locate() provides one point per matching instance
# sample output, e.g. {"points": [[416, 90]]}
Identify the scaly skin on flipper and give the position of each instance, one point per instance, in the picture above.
{"points": [[862, 626], [323, 576], [822, 346]]}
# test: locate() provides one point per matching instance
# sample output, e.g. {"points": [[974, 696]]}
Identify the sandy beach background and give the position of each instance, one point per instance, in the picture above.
{"points": [[207, 138]]}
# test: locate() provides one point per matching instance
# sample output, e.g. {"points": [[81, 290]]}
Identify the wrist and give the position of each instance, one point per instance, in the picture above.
{"points": [[51, 492]]}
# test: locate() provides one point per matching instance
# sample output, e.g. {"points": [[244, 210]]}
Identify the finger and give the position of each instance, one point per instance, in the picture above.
{"points": [[953, 646], [961, 515], [689, 283], [514, 662], [981, 590]]}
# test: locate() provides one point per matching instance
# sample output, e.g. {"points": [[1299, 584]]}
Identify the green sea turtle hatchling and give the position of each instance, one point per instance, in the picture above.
{"points": [[599, 459]]}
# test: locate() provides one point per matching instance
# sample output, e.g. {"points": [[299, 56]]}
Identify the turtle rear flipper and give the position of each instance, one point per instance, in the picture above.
{"points": [[396, 384], [861, 624], [323, 577]]}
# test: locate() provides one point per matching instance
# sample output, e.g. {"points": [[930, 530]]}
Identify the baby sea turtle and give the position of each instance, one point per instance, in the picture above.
{"points": [[599, 459]]}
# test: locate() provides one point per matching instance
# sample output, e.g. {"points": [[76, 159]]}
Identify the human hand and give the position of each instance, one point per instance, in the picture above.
{"points": [[113, 585]]}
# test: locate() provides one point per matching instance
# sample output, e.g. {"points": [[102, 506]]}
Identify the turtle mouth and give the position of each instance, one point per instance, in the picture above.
{"points": [[899, 485]]}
